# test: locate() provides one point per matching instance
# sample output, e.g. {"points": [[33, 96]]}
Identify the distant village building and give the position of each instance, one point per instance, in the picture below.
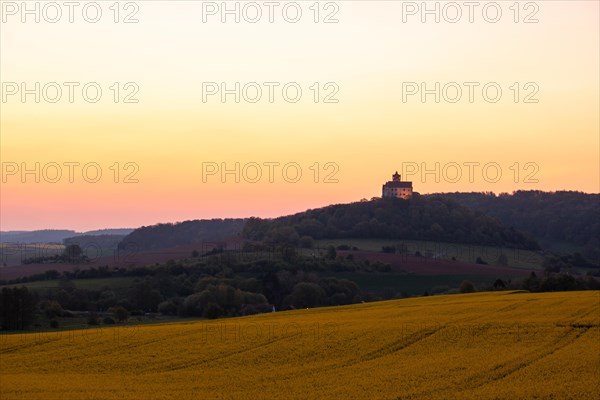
{"points": [[397, 188]]}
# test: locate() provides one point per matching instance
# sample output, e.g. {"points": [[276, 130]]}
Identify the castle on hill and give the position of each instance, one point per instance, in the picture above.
{"points": [[397, 188]]}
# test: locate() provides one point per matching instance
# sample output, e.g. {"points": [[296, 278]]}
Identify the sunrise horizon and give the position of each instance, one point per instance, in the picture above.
{"points": [[161, 113]]}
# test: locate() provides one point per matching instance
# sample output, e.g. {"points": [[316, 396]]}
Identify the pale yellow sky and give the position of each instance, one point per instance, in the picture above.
{"points": [[369, 133]]}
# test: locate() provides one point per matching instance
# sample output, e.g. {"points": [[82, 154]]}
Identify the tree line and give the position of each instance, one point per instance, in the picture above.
{"points": [[551, 217], [433, 218]]}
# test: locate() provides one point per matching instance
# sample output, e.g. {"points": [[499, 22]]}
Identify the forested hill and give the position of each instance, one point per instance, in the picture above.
{"points": [[421, 218], [570, 217], [168, 235]]}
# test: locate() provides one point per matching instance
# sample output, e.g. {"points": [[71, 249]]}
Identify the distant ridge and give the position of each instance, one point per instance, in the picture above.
{"points": [[167, 235], [54, 235]]}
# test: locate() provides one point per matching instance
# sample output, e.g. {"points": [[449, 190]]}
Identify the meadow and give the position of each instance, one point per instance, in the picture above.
{"points": [[16, 253], [498, 345], [516, 258]]}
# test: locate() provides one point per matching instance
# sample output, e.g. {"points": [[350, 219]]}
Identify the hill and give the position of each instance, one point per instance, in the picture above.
{"points": [[163, 236], [553, 218], [102, 232], [99, 240], [41, 236], [478, 346], [434, 218]]}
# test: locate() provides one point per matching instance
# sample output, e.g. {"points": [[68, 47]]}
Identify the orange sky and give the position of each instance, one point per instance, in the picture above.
{"points": [[548, 139]]}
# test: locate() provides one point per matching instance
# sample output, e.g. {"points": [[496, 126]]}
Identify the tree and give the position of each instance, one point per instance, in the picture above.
{"points": [[17, 308], [212, 311], [502, 259], [51, 274], [121, 314], [272, 288], [284, 236], [499, 284], [331, 253], [553, 264], [144, 297], [306, 242], [51, 309], [93, 319], [531, 283], [73, 251], [466, 287], [339, 291], [168, 307], [305, 294]]}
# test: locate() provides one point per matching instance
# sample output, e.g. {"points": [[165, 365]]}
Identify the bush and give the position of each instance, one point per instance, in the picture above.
{"points": [[499, 284], [51, 309], [466, 287], [167, 308], [338, 291], [225, 296], [337, 299], [306, 242], [250, 309], [53, 323], [212, 311], [108, 321], [121, 314], [194, 304], [381, 267], [440, 289]]}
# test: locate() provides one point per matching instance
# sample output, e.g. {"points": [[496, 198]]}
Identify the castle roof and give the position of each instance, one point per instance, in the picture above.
{"points": [[398, 184]]}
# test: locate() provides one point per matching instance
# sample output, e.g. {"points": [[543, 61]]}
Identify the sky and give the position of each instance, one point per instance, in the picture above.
{"points": [[123, 114]]}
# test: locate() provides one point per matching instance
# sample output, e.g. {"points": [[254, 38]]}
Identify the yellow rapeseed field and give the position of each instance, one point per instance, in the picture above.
{"points": [[475, 346]]}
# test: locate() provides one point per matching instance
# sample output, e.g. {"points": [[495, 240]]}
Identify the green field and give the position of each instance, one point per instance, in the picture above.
{"points": [[517, 258], [16, 253]]}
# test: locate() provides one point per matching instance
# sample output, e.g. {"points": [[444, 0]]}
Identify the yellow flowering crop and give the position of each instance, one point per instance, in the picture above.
{"points": [[475, 346]]}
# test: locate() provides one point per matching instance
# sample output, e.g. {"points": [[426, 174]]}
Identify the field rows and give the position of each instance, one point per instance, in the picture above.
{"points": [[477, 346]]}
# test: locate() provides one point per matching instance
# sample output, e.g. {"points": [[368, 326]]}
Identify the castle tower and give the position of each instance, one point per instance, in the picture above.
{"points": [[397, 188]]}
